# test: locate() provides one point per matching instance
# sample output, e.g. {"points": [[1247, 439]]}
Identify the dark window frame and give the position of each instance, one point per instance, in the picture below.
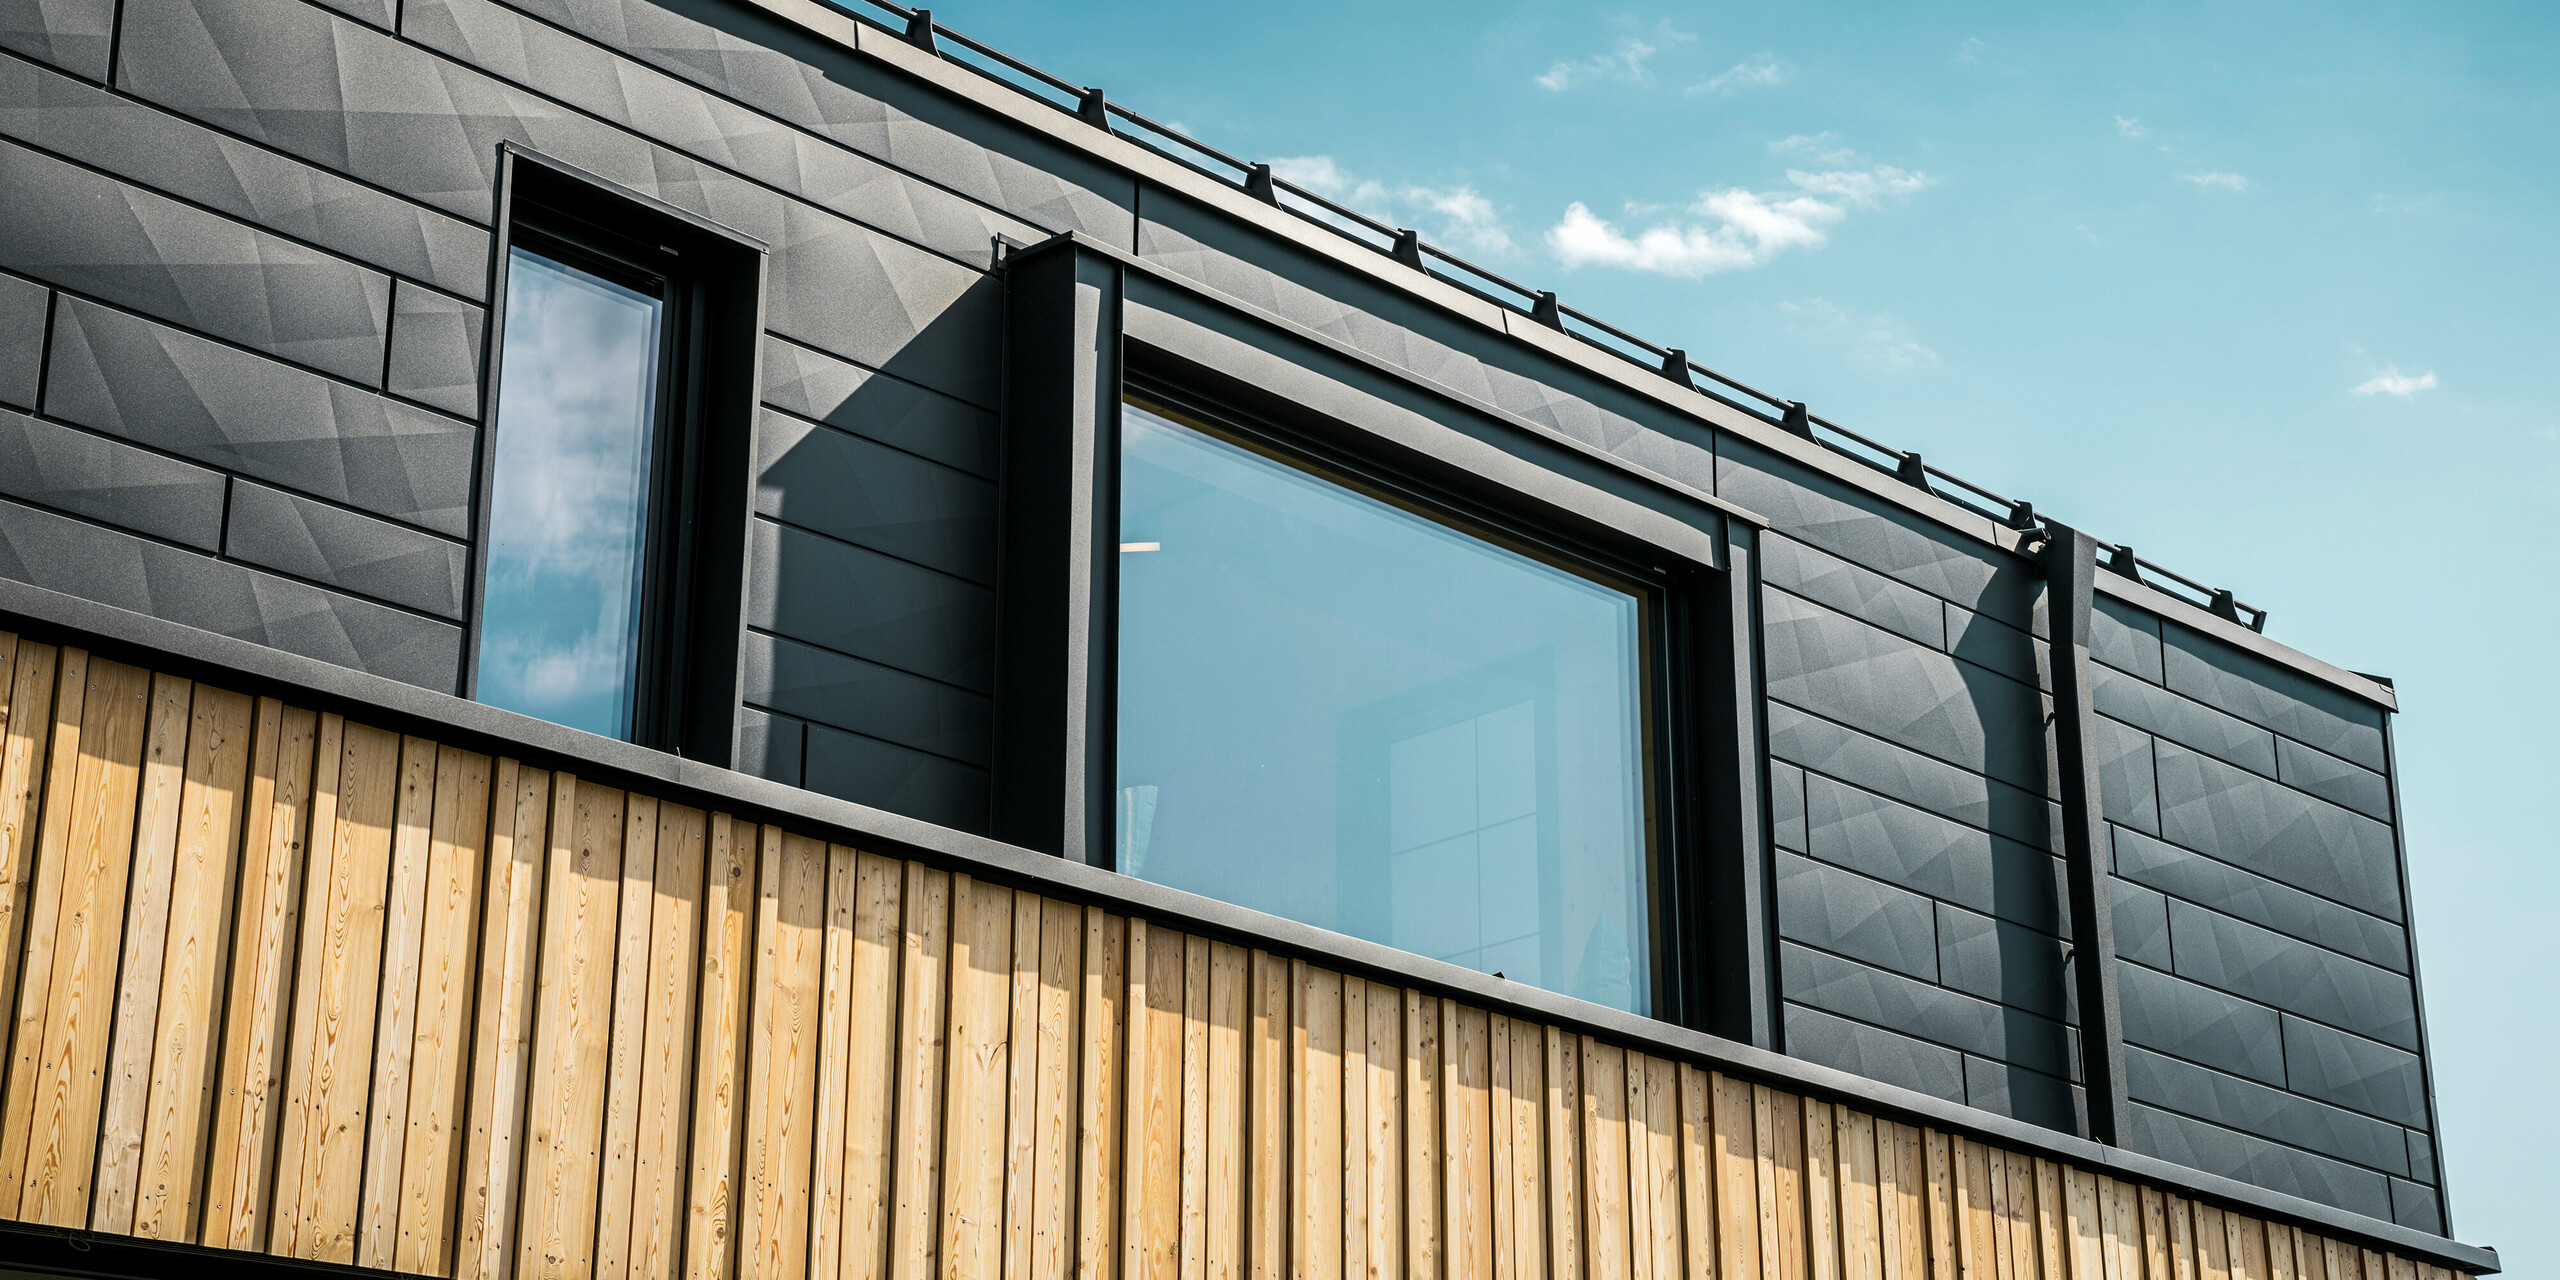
{"points": [[688, 674]]}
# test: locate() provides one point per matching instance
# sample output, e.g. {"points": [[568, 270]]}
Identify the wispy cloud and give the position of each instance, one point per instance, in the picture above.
{"points": [[2211, 181], [1822, 148], [1971, 51], [1762, 72], [1623, 64], [2392, 382], [1731, 229], [2132, 128], [1871, 338], [1458, 216]]}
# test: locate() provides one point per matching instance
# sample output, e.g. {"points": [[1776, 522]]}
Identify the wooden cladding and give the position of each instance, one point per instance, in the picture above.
{"points": [[284, 982]]}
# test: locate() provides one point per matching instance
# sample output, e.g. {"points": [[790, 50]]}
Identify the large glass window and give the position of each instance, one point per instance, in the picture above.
{"points": [[577, 428], [1336, 709]]}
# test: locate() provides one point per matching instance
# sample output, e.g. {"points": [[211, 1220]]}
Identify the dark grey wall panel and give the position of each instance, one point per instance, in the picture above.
{"points": [[2416, 1206], [2422, 1156], [2017, 966], [1858, 528], [1861, 593], [781, 70], [1933, 1013], [2214, 1149], [849, 488], [173, 154], [96, 563], [867, 698], [2141, 924], [2255, 898], [2352, 1071], [2025, 1094], [75, 35], [859, 602], [2333, 779], [2152, 708], [1857, 917], [630, 94], [1880, 682], [2128, 780], [887, 776], [2201, 1024], [2255, 689], [2125, 638], [435, 350], [81, 230], [231, 409], [340, 548], [770, 746], [1786, 806], [813, 384], [1988, 642], [1875, 1053], [377, 12], [2255, 823], [885, 304], [24, 305], [2293, 975], [1902, 845], [106, 479], [1908, 776], [2252, 1107]]}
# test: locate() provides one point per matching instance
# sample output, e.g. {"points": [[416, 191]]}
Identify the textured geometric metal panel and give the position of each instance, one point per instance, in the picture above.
{"points": [[1873, 1052], [1786, 806], [2201, 1024], [1904, 846], [2142, 924], [2005, 1088], [340, 548], [75, 35], [435, 350], [627, 93], [2292, 704], [23, 308], [1861, 593], [2422, 1156], [226, 407], [377, 12], [2128, 783], [769, 746], [2333, 779], [105, 479], [1933, 1013], [2275, 831], [2255, 898], [2156, 710], [81, 230], [1989, 642], [887, 776], [2017, 966], [879, 608], [846, 487], [884, 303], [2247, 1105], [2352, 1071], [902, 415], [2415, 1206], [778, 69], [97, 563], [1856, 917], [2125, 638], [1908, 776], [2293, 975], [2214, 1149], [1875, 680], [876, 701], [174, 154]]}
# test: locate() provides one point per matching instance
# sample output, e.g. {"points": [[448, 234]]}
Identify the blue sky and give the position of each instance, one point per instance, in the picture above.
{"points": [[2267, 292]]}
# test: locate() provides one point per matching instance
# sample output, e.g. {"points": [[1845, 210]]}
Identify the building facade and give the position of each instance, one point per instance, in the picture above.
{"points": [[735, 637]]}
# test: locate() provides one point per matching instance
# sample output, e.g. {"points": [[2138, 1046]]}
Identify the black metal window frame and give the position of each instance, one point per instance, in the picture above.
{"points": [[1078, 349], [700, 497]]}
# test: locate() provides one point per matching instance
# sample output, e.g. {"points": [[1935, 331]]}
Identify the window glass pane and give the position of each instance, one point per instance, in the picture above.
{"points": [[1335, 710], [577, 392]]}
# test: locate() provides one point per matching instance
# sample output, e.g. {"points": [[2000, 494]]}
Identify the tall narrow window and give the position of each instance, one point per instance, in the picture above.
{"points": [[614, 477], [1337, 707]]}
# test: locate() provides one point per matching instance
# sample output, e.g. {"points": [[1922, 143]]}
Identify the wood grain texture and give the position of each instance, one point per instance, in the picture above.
{"points": [[869, 1062], [502, 1020], [395, 1037], [827, 1201], [26, 734], [979, 1081], [626, 1040], [924, 988], [782, 1059], [150, 877], [672, 972], [42, 871], [728, 951]]}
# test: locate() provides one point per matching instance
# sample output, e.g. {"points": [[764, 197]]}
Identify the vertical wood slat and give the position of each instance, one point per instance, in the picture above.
{"points": [[1425, 1247], [870, 1067], [1821, 1192], [1355, 1238], [829, 1168], [672, 971], [782, 1057], [26, 731], [923, 980], [1608, 1250], [395, 1037], [979, 1080], [619, 1134], [1565, 1187], [1786, 1178], [433, 1160], [1640, 1262], [572, 1032], [1151, 1120], [1526, 1120], [728, 959], [1191, 1245], [502, 1020], [151, 876], [48, 767], [1938, 1158], [1661, 1155], [1227, 1132], [1101, 1078], [1465, 1070], [1055, 1094], [1315, 1122], [1267, 1074], [1022, 1057], [1737, 1183]]}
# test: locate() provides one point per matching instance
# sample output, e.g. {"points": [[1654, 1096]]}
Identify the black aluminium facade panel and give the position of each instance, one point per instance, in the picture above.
{"points": [[1905, 643]]}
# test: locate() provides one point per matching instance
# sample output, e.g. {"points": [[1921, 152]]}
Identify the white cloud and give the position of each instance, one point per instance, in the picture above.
{"points": [[1871, 338], [1971, 51], [2392, 382], [2131, 128], [1763, 72], [2225, 181], [1621, 65], [1731, 229], [1824, 147], [1457, 216]]}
